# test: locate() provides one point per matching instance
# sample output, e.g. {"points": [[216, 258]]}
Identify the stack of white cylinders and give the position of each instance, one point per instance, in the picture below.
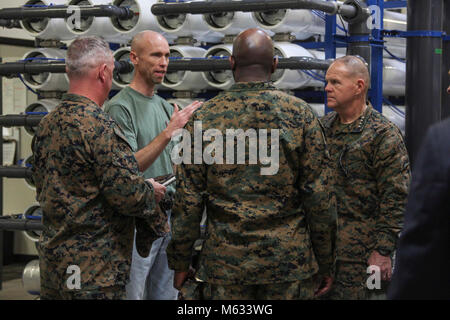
{"points": [[188, 25], [100, 26], [395, 21], [185, 80], [46, 28], [143, 20], [46, 81], [43, 105]]}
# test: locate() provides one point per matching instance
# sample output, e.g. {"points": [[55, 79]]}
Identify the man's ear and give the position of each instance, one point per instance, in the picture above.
{"points": [[133, 57], [232, 62], [274, 64], [361, 86], [102, 72]]}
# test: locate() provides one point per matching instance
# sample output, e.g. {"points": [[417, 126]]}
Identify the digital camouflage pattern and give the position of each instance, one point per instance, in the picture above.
{"points": [[261, 229], [371, 180], [92, 196], [372, 176]]}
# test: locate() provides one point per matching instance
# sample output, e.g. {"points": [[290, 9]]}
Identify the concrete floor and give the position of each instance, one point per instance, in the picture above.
{"points": [[12, 287]]}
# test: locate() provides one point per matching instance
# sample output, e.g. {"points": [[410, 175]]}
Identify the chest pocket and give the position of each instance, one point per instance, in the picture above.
{"points": [[356, 161]]}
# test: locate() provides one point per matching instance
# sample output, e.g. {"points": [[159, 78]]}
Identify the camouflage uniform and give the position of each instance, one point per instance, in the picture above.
{"points": [[372, 176], [91, 194], [266, 230]]}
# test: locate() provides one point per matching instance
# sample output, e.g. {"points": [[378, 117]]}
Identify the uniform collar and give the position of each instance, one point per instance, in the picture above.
{"points": [[254, 85], [354, 127], [72, 97]]}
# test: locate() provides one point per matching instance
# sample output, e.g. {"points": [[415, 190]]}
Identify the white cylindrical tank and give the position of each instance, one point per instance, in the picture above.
{"points": [[33, 211], [301, 23], [287, 78], [395, 45], [100, 26], [46, 81], [394, 77], [121, 80], [185, 80], [46, 28], [219, 79], [395, 115], [143, 20], [229, 23], [188, 25], [31, 279], [43, 105]]}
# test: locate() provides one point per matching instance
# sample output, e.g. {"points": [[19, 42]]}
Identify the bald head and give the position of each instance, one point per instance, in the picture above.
{"points": [[253, 50], [143, 39], [355, 68]]}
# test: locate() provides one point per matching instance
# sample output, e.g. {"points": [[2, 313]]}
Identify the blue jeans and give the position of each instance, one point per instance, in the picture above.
{"points": [[151, 278]]}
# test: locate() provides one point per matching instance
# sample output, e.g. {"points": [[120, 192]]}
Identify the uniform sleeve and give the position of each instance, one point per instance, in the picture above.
{"points": [[392, 169], [318, 201], [118, 175], [187, 211], [123, 118]]}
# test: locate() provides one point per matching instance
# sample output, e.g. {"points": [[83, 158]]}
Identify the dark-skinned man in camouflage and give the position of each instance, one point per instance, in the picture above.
{"points": [[89, 187], [269, 229], [371, 180]]}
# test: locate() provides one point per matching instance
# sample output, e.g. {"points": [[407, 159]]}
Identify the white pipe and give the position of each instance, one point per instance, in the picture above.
{"points": [[188, 25], [43, 105], [219, 79], [31, 279], [230, 23], [33, 210], [47, 81], [121, 80], [301, 23], [100, 26], [46, 28], [394, 73], [186, 80], [126, 29], [290, 79]]}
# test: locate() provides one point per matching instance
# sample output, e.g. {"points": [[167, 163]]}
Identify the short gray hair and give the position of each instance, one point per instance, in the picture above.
{"points": [[85, 53]]}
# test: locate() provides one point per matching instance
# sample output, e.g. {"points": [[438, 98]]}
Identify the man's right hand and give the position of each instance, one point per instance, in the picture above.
{"points": [[179, 118], [158, 189]]}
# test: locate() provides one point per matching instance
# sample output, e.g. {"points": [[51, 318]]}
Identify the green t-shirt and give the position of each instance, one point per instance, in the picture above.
{"points": [[142, 119]]}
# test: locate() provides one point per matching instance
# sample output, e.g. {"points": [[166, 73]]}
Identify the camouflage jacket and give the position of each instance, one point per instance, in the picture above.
{"points": [[90, 192], [372, 176], [261, 229]]}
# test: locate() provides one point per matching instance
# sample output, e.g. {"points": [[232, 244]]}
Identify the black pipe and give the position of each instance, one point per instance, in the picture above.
{"points": [[20, 224], [19, 120], [306, 63], [16, 172], [423, 72], [63, 12], [446, 63], [204, 7], [357, 27], [33, 67], [7, 23]]}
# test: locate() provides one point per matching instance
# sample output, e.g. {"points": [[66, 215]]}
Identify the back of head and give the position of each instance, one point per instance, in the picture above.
{"points": [[253, 49], [356, 68], [85, 53]]}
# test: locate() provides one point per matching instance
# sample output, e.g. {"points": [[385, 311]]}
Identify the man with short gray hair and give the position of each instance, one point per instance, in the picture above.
{"points": [[89, 187], [371, 179]]}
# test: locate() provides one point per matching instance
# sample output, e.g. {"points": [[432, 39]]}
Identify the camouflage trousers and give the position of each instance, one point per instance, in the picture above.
{"points": [[297, 290], [350, 283], [103, 293]]}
